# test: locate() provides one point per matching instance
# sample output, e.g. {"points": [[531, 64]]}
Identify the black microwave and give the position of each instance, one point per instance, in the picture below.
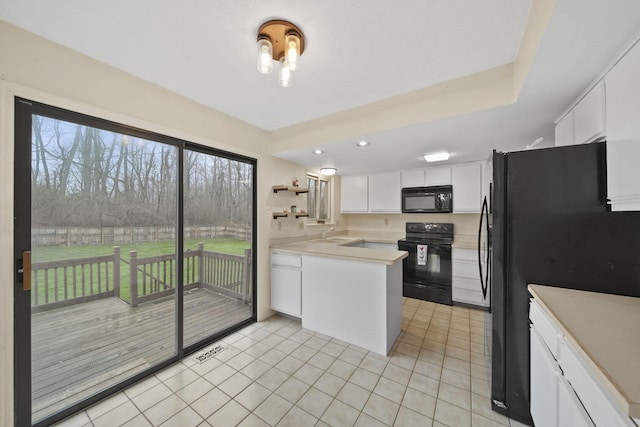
{"points": [[427, 199]]}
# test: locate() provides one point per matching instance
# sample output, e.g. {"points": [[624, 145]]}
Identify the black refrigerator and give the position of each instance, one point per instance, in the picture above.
{"points": [[551, 226]]}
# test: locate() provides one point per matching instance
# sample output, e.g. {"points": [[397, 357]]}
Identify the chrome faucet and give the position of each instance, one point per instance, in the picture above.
{"points": [[324, 232]]}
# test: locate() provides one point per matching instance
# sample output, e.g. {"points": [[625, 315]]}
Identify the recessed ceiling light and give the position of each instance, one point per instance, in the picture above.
{"points": [[437, 157], [318, 151], [363, 143]]}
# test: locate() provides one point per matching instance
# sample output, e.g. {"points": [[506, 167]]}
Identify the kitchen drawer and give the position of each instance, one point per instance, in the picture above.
{"points": [[602, 410], [472, 285], [465, 255], [549, 333], [286, 260], [466, 269], [467, 295], [544, 373]]}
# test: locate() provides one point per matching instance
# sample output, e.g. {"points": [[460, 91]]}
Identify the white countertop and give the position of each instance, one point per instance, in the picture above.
{"points": [[372, 236], [462, 241], [604, 328], [336, 247]]}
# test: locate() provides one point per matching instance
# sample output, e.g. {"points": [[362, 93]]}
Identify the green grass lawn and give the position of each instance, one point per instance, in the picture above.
{"points": [[144, 249]]}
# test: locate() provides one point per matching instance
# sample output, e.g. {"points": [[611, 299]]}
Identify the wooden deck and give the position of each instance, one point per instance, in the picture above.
{"points": [[84, 348]]}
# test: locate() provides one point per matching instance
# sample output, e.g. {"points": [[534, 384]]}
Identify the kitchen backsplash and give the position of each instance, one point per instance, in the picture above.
{"points": [[463, 224]]}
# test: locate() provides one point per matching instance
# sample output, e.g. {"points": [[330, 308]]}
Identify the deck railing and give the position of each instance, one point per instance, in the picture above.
{"points": [[66, 282], [61, 283]]}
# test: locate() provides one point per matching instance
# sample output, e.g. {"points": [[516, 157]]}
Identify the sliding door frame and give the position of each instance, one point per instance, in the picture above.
{"points": [[24, 109]]}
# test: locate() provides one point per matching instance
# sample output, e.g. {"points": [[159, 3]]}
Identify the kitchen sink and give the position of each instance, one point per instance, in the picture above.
{"points": [[339, 239]]}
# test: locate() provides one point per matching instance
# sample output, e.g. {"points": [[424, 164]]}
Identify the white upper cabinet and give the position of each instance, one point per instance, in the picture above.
{"points": [[381, 192], [412, 178], [354, 194], [439, 175], [436, 175], [589, 116], [623, 132], [586, 121], [564, 130], [384, 192], [467, 187]]}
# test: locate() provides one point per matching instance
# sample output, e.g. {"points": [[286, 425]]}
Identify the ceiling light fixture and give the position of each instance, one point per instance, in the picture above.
{"points": [[363, 143], [317, 151], [283, 42], [437, 157], [328, 171]]}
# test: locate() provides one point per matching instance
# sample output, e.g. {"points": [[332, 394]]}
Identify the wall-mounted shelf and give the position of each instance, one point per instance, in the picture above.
{"points": [[292, 189], [277, 215]]}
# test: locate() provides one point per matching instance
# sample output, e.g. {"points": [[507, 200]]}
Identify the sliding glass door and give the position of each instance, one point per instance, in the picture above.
{"points": [[130, 246], [218, 224]]}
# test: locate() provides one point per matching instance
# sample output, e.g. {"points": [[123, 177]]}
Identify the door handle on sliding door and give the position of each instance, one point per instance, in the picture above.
{"points": [[24, 270]]}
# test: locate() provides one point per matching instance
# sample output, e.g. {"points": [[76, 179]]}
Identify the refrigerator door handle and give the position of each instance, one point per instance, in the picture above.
{"points": [[484, 214]]}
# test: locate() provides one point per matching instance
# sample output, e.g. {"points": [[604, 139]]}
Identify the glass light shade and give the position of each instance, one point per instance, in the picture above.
{"points": [[286, 75], [292, 43], [265, 56], [328, 171]]}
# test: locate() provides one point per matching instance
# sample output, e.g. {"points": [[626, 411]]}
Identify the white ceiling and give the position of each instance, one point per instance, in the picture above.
{"points": [[356, 53]]}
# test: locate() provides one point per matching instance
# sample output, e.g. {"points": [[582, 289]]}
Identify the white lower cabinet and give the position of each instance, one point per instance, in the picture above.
{"points": [[596, 401], [286, 283], [465, 282], [571, 413], [544, 383], [564, 392]]}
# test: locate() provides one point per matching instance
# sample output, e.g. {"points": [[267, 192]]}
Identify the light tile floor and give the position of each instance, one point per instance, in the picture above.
{"points": [[275, 373]]}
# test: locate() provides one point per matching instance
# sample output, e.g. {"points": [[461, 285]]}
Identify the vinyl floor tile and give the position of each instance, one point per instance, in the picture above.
{"points": [[276, 373]]}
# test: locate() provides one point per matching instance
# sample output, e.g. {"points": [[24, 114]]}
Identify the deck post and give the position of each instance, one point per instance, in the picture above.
{"points": [[133, 278], [246, 263], [200, 263], [116, 271]]}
